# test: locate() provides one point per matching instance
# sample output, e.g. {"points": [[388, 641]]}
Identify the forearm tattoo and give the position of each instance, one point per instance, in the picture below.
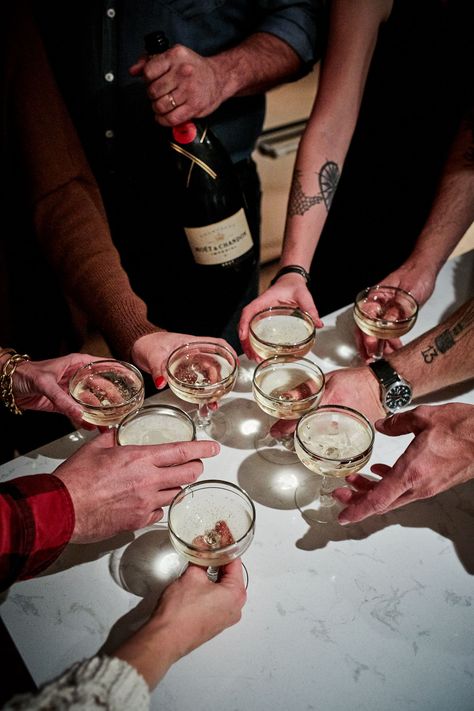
{"points": [[445, 340], [328, 178]]}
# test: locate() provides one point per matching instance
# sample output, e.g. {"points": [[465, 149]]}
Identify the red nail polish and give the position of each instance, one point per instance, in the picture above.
{"points": [[160, 381]]}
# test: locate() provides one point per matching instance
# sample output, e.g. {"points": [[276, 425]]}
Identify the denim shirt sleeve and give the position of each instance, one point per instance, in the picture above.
{"points": [[299, 24]]}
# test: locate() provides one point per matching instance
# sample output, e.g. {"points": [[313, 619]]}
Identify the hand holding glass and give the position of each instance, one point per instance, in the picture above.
{"points": [[332, 441], [202, 372], [281, 330], [211, 523], [385, 312], [107, 390], [285, 387]]}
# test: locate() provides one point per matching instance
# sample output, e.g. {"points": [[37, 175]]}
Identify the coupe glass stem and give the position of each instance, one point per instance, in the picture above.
{"points": [[287, 441], [325, 498], [213, 573], [203, 416], [380, 349]]}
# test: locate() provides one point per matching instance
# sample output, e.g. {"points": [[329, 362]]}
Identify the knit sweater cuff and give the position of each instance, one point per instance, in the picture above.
{"points": [[97, 683], [134, 324]]}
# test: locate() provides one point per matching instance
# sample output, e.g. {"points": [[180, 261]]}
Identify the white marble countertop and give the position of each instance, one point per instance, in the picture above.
{"points": [[373, 616]]}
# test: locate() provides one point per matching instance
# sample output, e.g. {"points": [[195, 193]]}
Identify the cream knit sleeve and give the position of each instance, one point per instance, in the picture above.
{"points": [[97, 683]]}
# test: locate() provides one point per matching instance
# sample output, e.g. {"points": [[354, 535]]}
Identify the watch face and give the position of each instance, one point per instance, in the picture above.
{"points": [[397, 396]]}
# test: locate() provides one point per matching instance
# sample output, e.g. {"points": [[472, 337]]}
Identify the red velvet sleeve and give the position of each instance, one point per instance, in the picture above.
{"points": [[36, 523]]}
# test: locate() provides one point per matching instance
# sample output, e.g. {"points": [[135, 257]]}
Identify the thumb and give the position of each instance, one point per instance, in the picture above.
{"points": [[137, 69], [307, 304], [64, 403], [399, 424]]}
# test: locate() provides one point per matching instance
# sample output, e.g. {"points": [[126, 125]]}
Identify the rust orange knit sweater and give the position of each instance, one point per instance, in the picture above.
{"points": [[67, 209]]}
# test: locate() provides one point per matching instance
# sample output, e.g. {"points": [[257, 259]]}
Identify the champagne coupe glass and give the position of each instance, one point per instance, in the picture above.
{"points": [[107, 390], [281, 330], [150, 563], [285, 387], [202, 372], [211, 523], [385, 312], [332, 441], [156, 424]]}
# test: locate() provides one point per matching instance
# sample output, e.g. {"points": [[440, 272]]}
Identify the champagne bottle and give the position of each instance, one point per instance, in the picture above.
{"points": [[213, 211]]}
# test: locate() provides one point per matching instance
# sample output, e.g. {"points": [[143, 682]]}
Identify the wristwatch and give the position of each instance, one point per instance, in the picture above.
{"points": [[395, 392]]}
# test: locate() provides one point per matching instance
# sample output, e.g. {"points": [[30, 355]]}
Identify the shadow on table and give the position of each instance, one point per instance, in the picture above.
{"points": [[76, 554], [129, 623], [335, 345], [144, 567], [271, 485], [245, 422], [449, 514]]}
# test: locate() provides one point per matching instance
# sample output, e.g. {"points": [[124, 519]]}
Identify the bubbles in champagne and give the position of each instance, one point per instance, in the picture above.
{"points": [[335, 439], [282, 330], [201, 369]]}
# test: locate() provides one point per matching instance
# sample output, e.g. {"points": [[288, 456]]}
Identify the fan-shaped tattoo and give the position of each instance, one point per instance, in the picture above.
{"points": [[328, 180]]}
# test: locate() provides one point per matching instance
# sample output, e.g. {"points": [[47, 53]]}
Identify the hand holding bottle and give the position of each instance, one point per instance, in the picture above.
{"points": [[181, 84]]}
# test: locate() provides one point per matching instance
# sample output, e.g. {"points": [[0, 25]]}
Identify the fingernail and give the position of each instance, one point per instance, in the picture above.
{"points": [[343, 520], [215, 449], [160, 381]]}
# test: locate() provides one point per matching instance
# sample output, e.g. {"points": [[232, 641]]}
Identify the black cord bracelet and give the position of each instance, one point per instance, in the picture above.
{"points": [[288, 270]]}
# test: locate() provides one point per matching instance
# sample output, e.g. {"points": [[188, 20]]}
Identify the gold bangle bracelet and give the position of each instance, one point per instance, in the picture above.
{"points": [[6, 378]]}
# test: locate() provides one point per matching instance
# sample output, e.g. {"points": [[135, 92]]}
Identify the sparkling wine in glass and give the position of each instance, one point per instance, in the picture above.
{"points": [[285, 387], [385, 312], [332, 442], [156, 424], [211, 523], [202, 372], [281, 330], [107, 390]]}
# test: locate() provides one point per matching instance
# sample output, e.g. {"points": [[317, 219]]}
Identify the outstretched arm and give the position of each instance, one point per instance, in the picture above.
{"points": [[440, 456], [323, 147], [438, 358], [190, 612], [451, 215]]}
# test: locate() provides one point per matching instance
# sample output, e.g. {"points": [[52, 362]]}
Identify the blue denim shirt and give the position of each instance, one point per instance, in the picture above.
{"points": [[92, 45]]}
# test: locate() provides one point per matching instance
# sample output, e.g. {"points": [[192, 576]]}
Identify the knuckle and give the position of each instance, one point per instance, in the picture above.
{"points": [[181, 452], [375, 502], [187, 70], [148, 72]]}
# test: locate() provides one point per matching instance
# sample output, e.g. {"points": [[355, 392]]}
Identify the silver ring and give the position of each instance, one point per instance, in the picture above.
{"points": [[171, 100]]}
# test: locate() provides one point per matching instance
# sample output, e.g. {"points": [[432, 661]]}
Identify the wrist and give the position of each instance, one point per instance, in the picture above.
{"points": [[151, 651], [291, 269], [227, 78], [395, 393], [10, 362]]}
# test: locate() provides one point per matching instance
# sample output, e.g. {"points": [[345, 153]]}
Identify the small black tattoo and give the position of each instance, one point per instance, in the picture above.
{"points": [[444, 341], [447, 339], [429, 354]]}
